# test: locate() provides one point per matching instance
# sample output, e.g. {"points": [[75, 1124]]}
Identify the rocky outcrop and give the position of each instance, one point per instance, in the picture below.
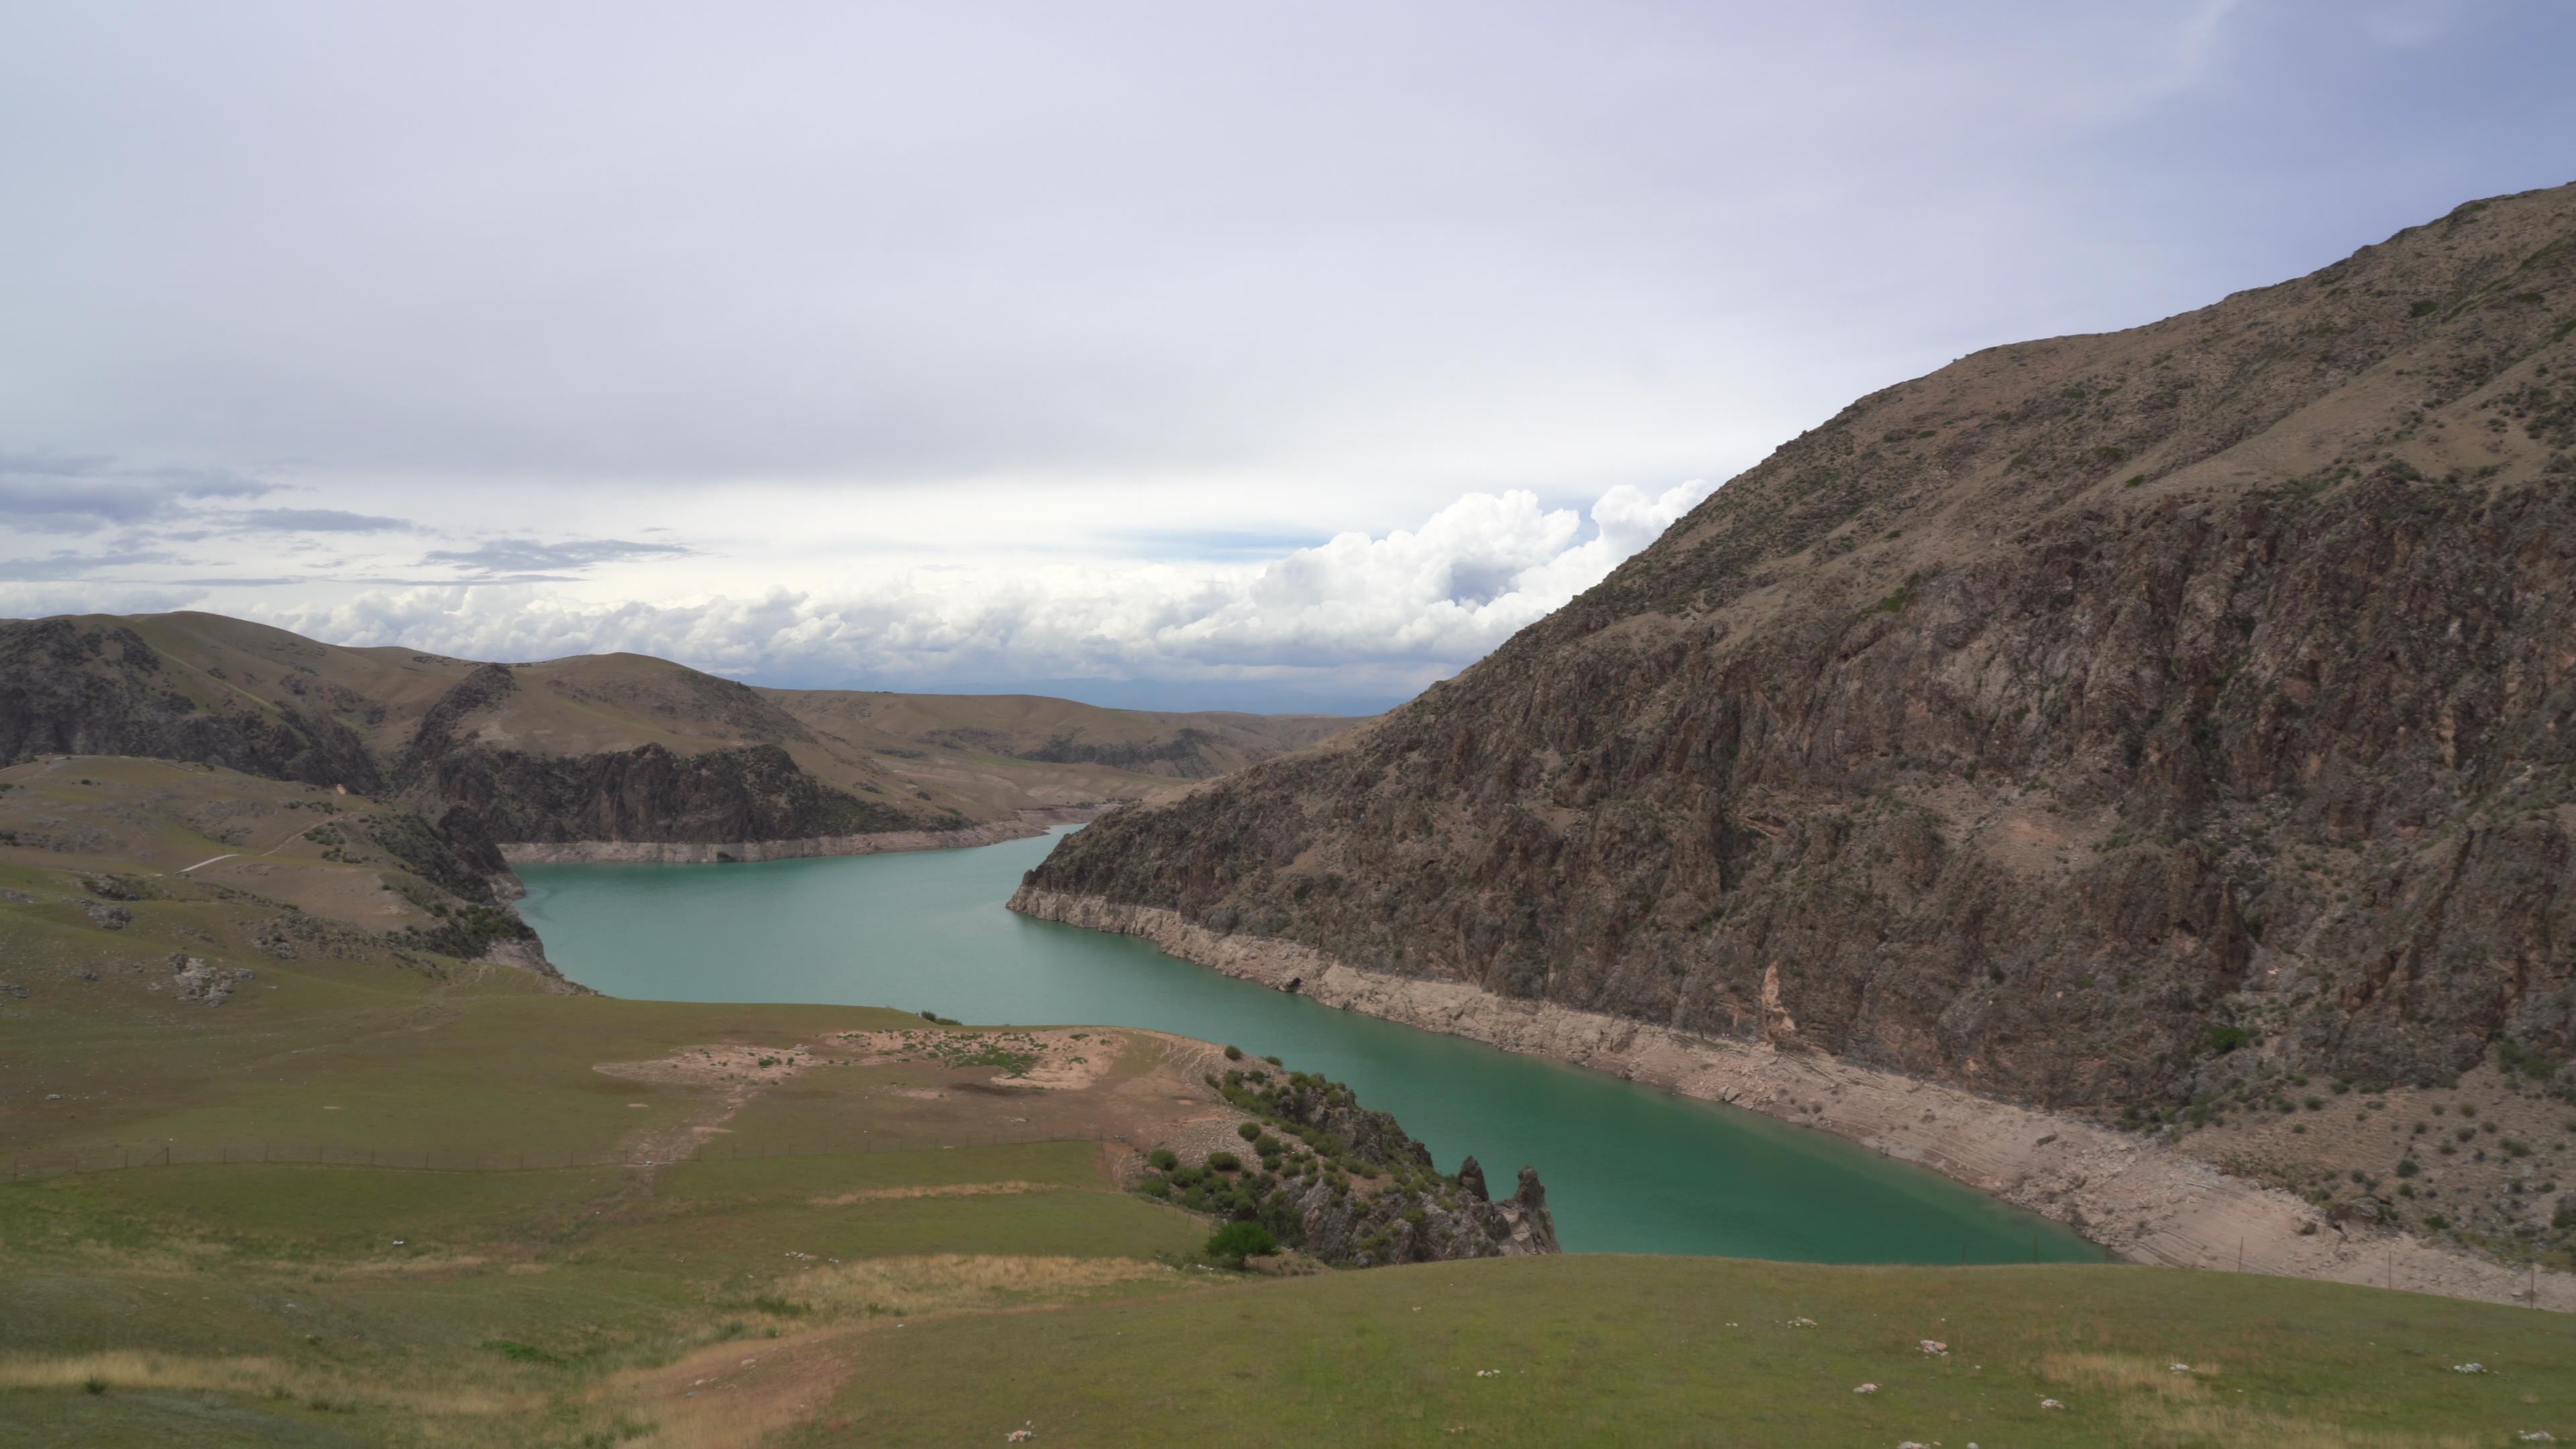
{"points": [[69, 690], [1345, 1184], [2100, 722], [648, 793], [204, 984]]}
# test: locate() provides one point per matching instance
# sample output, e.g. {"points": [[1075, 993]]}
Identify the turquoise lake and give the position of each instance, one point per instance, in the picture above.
{"points": [[1628, 1169]]}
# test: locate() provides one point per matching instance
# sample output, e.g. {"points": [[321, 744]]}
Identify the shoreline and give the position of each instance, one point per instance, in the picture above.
{"points": [[698, 852], [2146, 1202]]}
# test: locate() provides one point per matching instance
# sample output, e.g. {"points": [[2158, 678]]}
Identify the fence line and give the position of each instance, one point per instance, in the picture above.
{"points": [[117, 1157]]}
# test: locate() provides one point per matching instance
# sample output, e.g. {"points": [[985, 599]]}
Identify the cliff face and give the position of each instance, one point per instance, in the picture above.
{"points": [[609, 748], [2063, 723], [66, 689], [650, 794]]}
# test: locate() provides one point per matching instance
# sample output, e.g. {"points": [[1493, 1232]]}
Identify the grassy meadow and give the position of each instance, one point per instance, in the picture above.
{"points": [[771, 1231]]}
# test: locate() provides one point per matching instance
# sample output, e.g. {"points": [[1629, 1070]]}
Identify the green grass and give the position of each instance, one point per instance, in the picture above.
{"points": [[271, 1304], [1620, 1350]]}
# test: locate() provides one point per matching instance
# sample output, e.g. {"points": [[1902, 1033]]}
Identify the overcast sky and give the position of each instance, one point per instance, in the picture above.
{"points": [[1190, 354]]}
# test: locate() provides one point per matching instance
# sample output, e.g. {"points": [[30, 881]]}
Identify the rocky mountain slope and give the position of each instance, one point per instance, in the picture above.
{"points": [[2122, 722], [616, 747]]}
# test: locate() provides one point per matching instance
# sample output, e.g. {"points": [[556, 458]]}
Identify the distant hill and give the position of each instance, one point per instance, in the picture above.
{"points": [[2141, 722], [616, 747]]}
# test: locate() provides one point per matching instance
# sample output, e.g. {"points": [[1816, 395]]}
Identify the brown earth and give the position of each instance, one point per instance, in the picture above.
{"points": [[617, 748], [2119, 724]]}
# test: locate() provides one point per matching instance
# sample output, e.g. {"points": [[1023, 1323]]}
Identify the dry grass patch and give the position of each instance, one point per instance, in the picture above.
{"points": [[945, 1189], [2126, 1374], [727, 1395], [258, 1377], [958, 1283], [2153, 1425]]}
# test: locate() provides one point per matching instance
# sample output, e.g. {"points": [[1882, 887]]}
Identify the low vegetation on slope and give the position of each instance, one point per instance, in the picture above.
{"points": [[2129, 723], [595, 747], [369, 1193]]}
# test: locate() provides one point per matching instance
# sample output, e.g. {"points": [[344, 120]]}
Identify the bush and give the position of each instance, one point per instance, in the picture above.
{"points": [[2224, 1039], [1234, 1054], [1164, 1159], [1248, 1131], [1237, 1241], [1224, 1162]]}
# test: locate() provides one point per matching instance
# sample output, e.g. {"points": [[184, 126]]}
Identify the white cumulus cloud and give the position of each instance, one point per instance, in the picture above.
{"points": [[1358, 616]]}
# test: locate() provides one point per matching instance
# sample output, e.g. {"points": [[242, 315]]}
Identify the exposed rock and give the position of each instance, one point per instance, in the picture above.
{"points": [[2147, 1200], [65, 689], [107, 917], [197, 981], [2095, 721], [1347, 1185], [649, 794]]}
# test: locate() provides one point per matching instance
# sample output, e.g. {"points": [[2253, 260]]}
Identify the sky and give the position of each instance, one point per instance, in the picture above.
{"points": [[1213, 355]]}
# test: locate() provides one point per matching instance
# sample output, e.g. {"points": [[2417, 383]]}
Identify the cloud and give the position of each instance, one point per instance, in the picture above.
{"points": [[314, 520], [526, 556], [1361, 615], [71, 564], [71, 493]]}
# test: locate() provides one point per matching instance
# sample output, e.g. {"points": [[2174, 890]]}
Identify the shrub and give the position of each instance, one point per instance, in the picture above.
{"points": [[2227, 1038], [1224, 1162], [1274, 1061], [1164, 1159], [1234, 1054], [2425, 308], [1248, 1131], [1237, 1241], [2408, 1167]]}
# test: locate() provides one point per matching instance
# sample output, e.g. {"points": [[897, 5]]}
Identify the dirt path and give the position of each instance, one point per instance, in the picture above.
{"points": [[738, 1073]]}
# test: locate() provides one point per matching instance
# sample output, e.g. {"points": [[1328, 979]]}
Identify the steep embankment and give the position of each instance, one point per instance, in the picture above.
{"points": [[2134, 724], [595, 756]]}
